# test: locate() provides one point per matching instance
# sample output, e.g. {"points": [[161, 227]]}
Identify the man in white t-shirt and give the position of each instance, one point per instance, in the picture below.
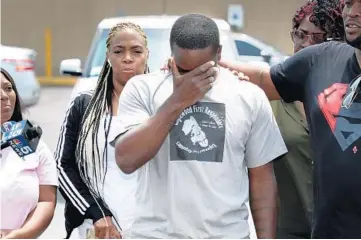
{"points": [[201, 141]]}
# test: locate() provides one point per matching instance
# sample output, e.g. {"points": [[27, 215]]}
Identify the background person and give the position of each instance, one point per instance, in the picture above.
{"points": [[27, 185], [313, 23], [97, 192], [325, 78]]}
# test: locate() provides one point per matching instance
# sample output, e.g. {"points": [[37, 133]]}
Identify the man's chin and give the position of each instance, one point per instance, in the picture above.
{"points": [[354, 42]]}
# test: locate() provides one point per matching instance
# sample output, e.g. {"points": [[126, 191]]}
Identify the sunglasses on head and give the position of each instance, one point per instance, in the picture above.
{"points": [[352, 91]]}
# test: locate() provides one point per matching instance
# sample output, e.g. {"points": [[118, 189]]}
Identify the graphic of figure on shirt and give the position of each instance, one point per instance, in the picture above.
{"points": [[344, 123], [191, 127]]}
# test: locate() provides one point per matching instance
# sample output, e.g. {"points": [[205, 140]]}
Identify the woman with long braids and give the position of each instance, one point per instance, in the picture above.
{"points": [[99, 196]]}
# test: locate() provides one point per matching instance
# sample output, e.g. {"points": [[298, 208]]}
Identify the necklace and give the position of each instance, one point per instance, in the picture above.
{"points": [[116, 104], [116, 95]]}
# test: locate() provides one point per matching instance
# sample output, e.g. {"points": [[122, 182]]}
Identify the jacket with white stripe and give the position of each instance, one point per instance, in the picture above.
{"points": [[80, 204]]}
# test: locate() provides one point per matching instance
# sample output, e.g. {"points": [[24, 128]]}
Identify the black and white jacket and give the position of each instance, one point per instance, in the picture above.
{"points": [[80, 204]]}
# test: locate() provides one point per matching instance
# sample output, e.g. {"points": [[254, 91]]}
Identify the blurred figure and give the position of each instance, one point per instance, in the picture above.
{"points": [[199, 155], [326, 79], [317, 21], [313, 23], [27, 185], [99, 196]]}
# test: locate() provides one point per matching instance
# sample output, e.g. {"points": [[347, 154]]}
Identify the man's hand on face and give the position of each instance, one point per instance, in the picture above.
{"points": [[189, 88]]}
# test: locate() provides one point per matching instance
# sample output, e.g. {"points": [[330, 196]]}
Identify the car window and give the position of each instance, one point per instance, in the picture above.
{"points": [[158, 44], [246, 49]]}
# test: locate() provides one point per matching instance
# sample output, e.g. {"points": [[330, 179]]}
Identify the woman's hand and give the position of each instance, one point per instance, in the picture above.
{"points": [[105, 229]]}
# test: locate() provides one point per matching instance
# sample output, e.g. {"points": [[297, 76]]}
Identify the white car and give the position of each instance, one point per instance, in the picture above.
{"points": [[253, 50], [157, 29], [20, 63]]}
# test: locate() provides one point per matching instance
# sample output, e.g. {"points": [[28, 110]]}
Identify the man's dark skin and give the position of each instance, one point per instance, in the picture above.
{"points": [[191, 83]]}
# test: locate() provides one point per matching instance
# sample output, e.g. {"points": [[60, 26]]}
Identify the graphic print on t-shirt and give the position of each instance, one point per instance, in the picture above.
{"points": [[344, 123], [199, 133]]}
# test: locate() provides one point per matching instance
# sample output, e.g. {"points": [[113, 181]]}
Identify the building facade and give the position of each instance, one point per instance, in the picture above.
{"points": [[72, 23]]}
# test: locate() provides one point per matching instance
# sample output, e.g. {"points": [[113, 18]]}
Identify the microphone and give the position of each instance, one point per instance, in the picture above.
{"points": [[21, 136], [6, 127], [4, 145]]}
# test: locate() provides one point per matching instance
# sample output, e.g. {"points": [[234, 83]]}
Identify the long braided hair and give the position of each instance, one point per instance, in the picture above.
{"points": [[90, 153]]}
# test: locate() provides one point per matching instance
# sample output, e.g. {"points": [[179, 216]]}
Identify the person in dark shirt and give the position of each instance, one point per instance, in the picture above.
{"points": [[326, 79], [313, 23]]}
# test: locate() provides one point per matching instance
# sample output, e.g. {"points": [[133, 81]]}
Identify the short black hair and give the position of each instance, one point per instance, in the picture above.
{"points": [[17, 114], [194, 31]]}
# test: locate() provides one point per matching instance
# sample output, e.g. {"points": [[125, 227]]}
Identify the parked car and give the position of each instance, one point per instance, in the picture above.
{"points": [[20, 63], [157, 29], [251, 49]]}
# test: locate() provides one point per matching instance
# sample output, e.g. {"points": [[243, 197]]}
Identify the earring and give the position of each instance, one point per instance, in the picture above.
{"points": [[146, 69]]}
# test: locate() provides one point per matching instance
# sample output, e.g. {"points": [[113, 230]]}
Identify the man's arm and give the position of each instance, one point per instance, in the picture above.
{"points": [[264, 144], [258, 75], [283, 81], [150, 136], [152, 132], [263, 198]]}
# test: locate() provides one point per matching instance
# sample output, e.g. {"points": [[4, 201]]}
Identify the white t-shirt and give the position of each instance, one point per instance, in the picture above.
{"points": [[119, 188], [19, 183], [197, 185]]}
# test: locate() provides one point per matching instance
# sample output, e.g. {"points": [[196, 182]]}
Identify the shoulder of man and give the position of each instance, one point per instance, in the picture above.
{"points": [[335, 47], [234, 85], [146, 84], [149, 79]]}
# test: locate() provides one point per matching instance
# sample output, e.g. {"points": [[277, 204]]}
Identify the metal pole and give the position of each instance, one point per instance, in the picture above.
{"points": [[48, 52]]}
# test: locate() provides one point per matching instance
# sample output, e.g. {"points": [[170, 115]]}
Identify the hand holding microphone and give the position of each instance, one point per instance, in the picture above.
{"points": [[21, 136]]}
